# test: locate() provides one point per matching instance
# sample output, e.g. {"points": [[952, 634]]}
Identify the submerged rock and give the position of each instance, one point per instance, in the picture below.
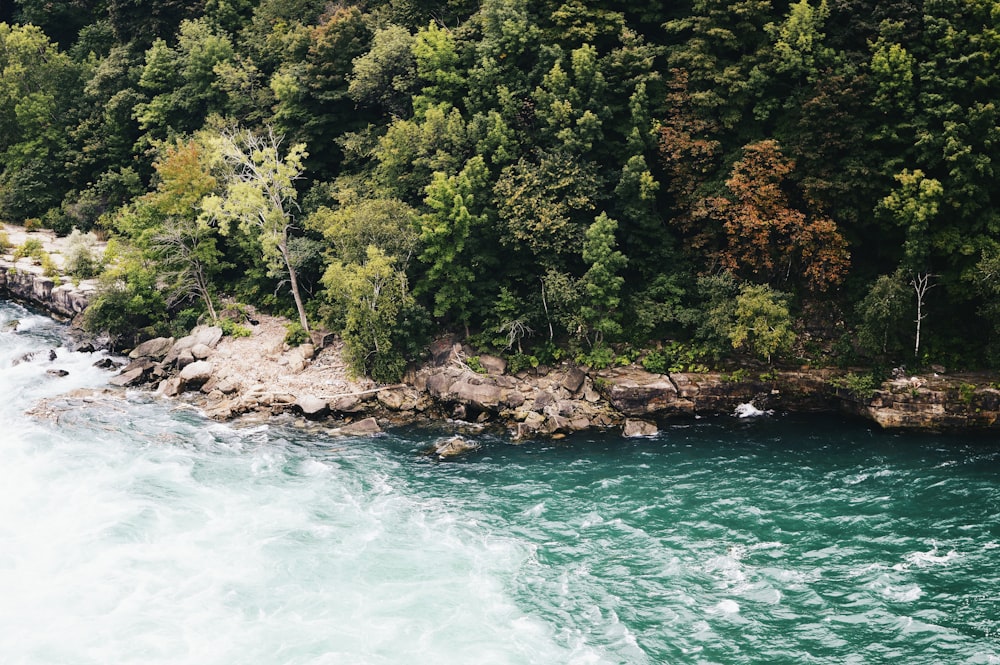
{"points": [[450, 448], [366, 427], [634, 428]]}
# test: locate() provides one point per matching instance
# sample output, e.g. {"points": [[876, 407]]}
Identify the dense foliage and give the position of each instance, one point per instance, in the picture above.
{"points": [[797, 182]]}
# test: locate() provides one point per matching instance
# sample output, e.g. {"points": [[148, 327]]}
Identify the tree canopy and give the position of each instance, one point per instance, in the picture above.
{"points": [[596, 178]]}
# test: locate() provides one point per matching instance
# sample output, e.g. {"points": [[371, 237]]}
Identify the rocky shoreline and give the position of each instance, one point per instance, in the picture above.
{"points": [[545, 402], [229, 377]]}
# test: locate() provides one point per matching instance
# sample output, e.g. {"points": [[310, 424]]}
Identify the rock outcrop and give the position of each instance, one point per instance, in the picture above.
{"points": [[932, 402], [62, 299]]}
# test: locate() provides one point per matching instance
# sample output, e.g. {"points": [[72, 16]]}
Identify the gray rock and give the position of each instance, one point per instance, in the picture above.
{"points": [[312, 407], [366, 427], [107, 363], [57, 372], [391, 399], [129, 378], [183, 359], [574, 379], [207, 335], [542, 400], [636, 393], [201, 351], [566, 407], [156, 348], [170, 387], [228, 386], [197, 373], [525, 430], [514, 399], [480, 395], [450, 448], [492, 364], [638, 428], [346, 404]]}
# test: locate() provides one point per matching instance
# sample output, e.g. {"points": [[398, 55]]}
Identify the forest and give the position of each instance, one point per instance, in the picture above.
{"points": [[686, 185]]}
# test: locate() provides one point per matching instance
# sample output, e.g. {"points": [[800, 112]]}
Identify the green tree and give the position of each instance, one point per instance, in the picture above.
{"points": [[763, 323], [881, 312], [313, 105], [445, 232], [38, 84], [373, 296], [914, 206], [602, 283], [183, 245], [359, 223], [259, 194], [182, 81]]}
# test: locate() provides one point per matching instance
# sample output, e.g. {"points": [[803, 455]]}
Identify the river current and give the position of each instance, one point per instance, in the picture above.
{"points": [[134, 531]]}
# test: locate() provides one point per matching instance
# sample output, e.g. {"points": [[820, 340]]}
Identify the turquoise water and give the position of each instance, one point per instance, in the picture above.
{"points": [[133, 531]]}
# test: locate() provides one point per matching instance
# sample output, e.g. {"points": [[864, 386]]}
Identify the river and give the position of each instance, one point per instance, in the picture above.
{"points": [[134, 531]]}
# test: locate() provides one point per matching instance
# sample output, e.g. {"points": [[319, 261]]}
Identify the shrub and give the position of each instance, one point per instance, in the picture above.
{"points": [[32, 247], [233, 329], [126, 302], [475, 365], [600, 357], [296, 334], [80, 260], [517, 362], [862, 386], [4, 241], [49, 267], [32, 224]]}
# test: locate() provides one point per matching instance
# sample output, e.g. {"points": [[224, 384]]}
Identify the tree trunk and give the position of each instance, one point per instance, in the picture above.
{"points": [[920, 282], [294, 282]]}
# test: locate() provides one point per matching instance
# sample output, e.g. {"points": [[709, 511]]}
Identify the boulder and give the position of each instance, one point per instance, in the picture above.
{"points": [[450, 448], [634, 428], [183, 359], [170, 387], [542, 400], [525, 430], [156, 348], [366, 427], [391, 399], [346, 404], [207, 335], [480, 395], [574, 379], [492, 364], [196, 374], [228, 386], [130, 378], [201, 351], [514, 399], [57, 372], [107, 363], [635, 393], [312, 407]]}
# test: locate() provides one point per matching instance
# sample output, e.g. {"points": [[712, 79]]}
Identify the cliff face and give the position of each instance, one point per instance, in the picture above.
{"points": [[62, 300], [960, 401]]}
